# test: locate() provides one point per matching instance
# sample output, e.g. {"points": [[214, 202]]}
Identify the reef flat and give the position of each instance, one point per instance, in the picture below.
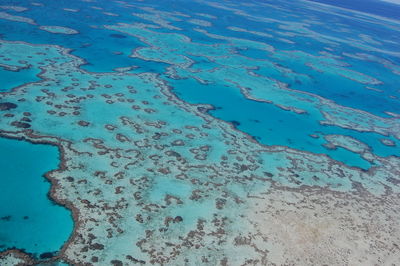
{"points": [[130, 172], [58, 30], [200, 144]]}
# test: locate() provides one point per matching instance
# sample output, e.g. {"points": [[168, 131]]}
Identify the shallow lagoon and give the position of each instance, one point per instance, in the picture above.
{"points": [[29, 219], [11, 79], [210, 183]]}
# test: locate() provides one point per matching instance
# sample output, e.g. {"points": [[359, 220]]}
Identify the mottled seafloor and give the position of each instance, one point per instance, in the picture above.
{"points": [[209, 132]]}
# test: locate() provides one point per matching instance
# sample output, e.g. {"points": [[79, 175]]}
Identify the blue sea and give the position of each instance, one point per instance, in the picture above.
{"points": [[250, 61], [29, 219], [376, 7]]}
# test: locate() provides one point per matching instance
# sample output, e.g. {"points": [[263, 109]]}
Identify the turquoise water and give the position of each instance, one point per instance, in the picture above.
{"points": [[105, 50], [297, 54], [271, 125], [11, 79], [29, 219]]}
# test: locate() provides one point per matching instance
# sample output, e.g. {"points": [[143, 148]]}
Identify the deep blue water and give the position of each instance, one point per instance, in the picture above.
{"points": [[98, 45], [274, 126], [376, 7], [30, 220], [23, 189]]}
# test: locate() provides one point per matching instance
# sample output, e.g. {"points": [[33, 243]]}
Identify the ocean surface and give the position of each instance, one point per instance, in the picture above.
{"points": [[376, 7], [301, 78], [29, 219]]}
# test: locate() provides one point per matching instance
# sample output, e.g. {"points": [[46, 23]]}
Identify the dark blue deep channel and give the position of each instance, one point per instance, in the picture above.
{"points": [[271, 125], [29, 219]]}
